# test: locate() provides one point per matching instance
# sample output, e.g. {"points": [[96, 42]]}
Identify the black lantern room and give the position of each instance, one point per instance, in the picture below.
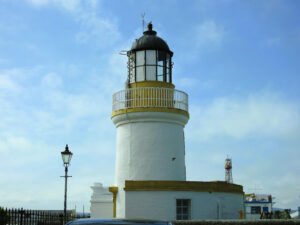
{"points": [[150, 59]]}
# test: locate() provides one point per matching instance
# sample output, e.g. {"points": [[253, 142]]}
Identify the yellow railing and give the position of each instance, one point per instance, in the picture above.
{"points": [[154, 97]]}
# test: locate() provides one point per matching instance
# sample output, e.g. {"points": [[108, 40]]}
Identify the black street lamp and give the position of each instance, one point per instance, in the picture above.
{"points": [[66, 157]]}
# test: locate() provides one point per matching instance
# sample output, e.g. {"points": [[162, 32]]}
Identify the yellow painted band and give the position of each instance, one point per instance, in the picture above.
{"points": [[114, 191], [151, 84], [150, 109], [214, 186]]}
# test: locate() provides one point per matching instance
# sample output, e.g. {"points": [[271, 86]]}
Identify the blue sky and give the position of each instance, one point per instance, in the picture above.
{"points": [[60, 65]]}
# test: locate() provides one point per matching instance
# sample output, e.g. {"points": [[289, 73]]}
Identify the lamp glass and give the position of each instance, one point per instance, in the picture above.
{"points": [[66, 156]]}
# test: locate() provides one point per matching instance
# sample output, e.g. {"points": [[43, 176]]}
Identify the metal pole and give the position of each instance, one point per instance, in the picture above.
{"points": [[65, 202]]}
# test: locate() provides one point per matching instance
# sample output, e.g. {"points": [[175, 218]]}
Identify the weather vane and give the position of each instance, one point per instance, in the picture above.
{"points": [[143, 21]]}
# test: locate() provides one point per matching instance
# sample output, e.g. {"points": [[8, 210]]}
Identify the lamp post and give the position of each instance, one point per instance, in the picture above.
{"points": [[66, 157]]}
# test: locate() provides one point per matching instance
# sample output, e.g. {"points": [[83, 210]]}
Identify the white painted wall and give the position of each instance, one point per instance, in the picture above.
{"points": [[162, 204], [248, 206], [102, 210], [150, 146], [101, 202]]}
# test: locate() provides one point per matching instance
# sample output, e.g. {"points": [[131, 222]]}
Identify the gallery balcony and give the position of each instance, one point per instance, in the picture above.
{"points": [[150, 99]]}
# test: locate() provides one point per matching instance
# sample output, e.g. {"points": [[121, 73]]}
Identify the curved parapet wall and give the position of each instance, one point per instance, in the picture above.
{"points": [[150, 99]]}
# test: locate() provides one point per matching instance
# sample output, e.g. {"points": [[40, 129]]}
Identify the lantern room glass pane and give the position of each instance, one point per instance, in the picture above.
{"points": [[168, 75], [161, 64], [150, 57], [151, 65], [140, 58], [168, 61], [168, 69], [160, 73], [140, 73], [151, 72], [160, 78]]}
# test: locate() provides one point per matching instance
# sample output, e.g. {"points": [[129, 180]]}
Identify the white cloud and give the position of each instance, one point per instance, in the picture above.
{"points": [[260, 131], [7, 84], [52, 80], [94, 26], [16, 144], [38, 3], [103, 31], [69, 5], [42, 105], [12, 80], [259, 115], [41, 118], [205, 37], [209, 33], [190, 82]]}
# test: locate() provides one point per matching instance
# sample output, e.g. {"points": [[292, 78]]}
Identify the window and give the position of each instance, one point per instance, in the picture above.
{"points": [[161, 65], [149, 65], [160, 73], [183, 209], [140, 73], [150, 71], [168, 69], [265, 209], [255, 210], [151, 57], [140, 58]]}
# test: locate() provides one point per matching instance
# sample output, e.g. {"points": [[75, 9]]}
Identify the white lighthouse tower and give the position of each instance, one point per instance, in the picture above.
{"points": [[150, 178], [150, 115]]}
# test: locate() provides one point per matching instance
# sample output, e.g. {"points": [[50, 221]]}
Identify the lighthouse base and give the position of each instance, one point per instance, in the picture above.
{"points": [[188, 200]]}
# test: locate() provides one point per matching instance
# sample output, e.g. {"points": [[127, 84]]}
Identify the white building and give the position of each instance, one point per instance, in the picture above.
{"points": [[257, 204], [101, 201], [150, 179]]}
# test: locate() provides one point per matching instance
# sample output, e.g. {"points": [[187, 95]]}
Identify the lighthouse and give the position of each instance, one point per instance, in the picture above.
{"points": [[150, 173], [149, 115]]}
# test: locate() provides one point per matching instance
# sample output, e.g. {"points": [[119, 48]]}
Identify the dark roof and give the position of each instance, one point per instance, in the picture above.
{"points": [[150, 41]]}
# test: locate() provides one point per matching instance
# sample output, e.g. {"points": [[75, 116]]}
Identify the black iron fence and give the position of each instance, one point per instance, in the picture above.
{"points": [[35, 217]]}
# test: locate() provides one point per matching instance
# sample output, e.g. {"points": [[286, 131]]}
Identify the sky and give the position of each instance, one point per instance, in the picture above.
{"points": [[60, 63]]}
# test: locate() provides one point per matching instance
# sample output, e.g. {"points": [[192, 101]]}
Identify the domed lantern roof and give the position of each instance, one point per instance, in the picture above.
{"points": [[150, 59], [150, 41]]}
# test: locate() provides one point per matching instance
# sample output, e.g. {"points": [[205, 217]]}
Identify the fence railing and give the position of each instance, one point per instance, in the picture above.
{"points": [[35, 217], [156, 97]]}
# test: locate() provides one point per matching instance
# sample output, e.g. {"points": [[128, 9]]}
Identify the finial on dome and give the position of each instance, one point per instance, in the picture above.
{"points": [[150, 26], [150, 30]]}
